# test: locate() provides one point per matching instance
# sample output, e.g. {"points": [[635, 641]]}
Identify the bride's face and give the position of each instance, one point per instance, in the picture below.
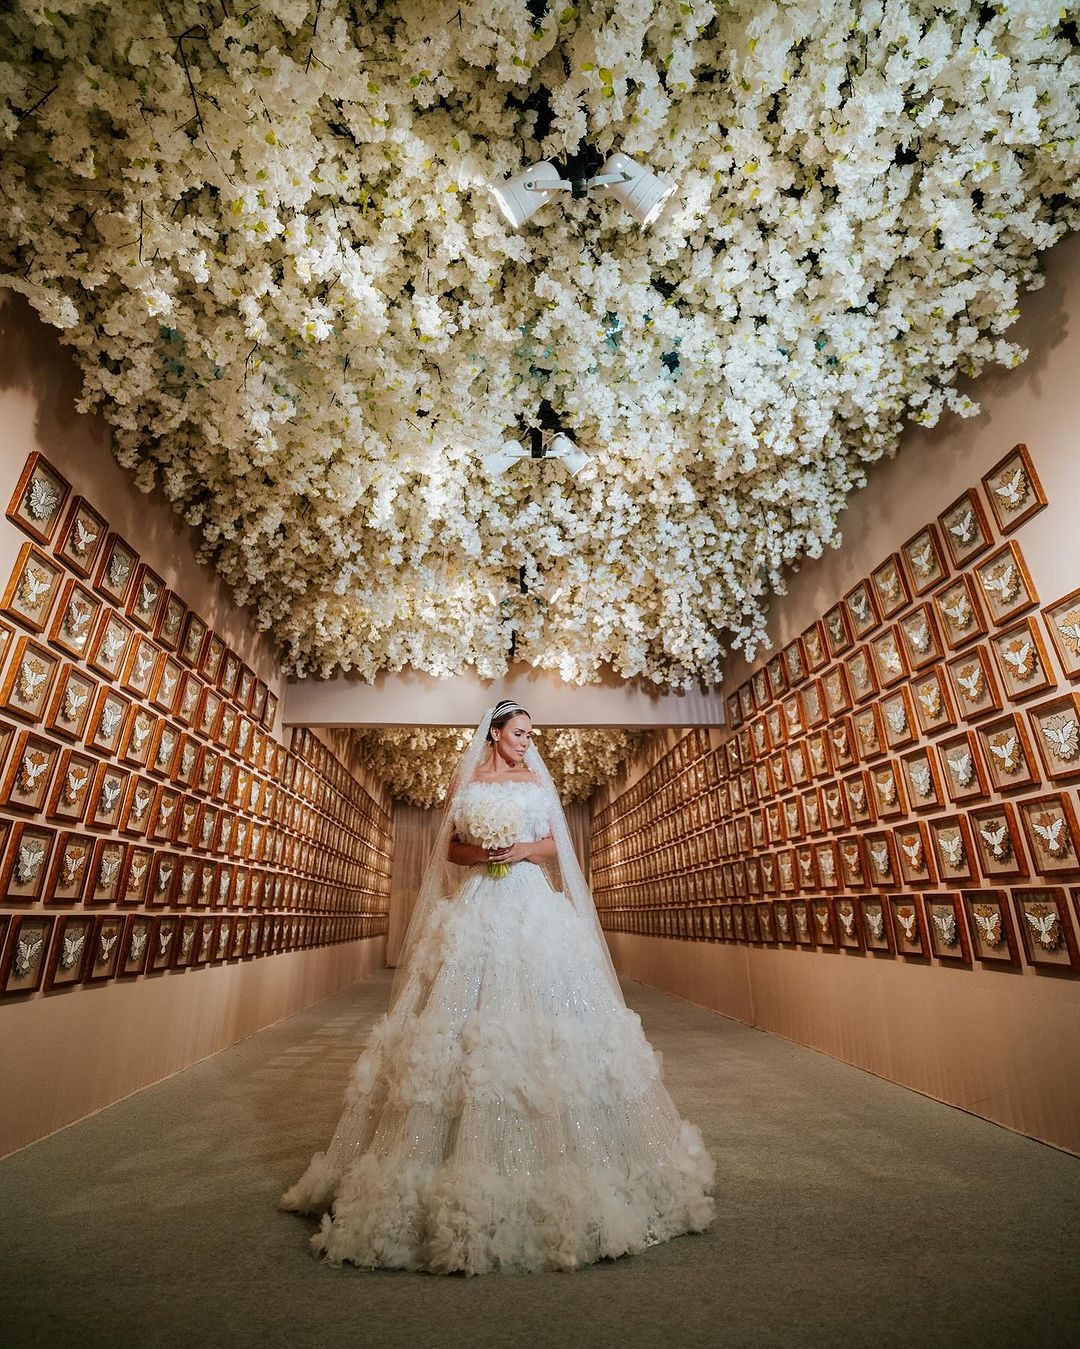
{"points": [[514, 739]]}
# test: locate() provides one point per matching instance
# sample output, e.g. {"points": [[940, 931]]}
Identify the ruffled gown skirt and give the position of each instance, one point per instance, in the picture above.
{"points": [[508, 1113]]}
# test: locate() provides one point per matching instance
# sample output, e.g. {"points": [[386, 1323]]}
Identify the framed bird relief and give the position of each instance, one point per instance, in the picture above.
{"points": [[852, 864], [147, 596], [229, 676], [888, 656], [882, 868], [814, 650], [833, 806], [163, 936], [890, 586], [990, 925], [185, 946], [207, 715], [26, 862], [861, 606], [1013, 489], [1062, 619], [898, 716], [924, 560], [116, 570], [965, 529], [71, 789], [751, 927], [136, 737], [746, 700], [245, 685], [947, 927], [106, 946], [70, 868], [859, 798], [1056, 726], [843, 745], [1005, 583], [106, 872], [76, 615], [213, 655], [29, 680], [38, 500], [876, 929], [32, 588], [193, 639], [135, 813], [794, 666], [162, 888], [974, 684], [134, 945], [837, 694], [204, 945], [817, 752], [960, 613], [827, 864], [919, 635], [79, 542], [72, 703], [962, 768], [1043, 918], [923, 780], [1052, 834], [802, 922], [813, 703], [759, 684], [109, 647], [997, 841], [29, 773], [823, 924], [1021, 660], [909, 926], [1008, 754], [953, 849], [862, 678], [869, 731], [793, 721], [23, 965], [888, 791], [169, 626], [140, 666], [914, 852], [933, 702], [838, 635], [70, 950]]}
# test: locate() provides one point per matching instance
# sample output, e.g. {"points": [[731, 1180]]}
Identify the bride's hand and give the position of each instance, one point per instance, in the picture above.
{"points": [[516, 852]]}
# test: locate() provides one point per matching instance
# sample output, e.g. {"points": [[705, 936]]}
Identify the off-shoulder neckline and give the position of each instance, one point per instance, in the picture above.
{"points": [[513, 782]]}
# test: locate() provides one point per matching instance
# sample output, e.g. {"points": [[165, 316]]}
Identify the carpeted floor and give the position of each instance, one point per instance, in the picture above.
{"points": [[852, 1212]]}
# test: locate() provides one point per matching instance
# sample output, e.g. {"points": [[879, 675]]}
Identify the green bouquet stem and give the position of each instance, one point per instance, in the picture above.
{"points": [[498, 868]]}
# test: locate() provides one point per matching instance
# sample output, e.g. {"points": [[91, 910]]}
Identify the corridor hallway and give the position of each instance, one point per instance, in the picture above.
{"points": [[851, 1212]]}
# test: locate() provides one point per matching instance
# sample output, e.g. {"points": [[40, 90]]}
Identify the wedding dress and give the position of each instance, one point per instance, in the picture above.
{"points": [[507, 1113]]}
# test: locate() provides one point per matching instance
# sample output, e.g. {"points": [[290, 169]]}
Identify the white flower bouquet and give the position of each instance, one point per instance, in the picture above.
{"points": [[490, 822]]}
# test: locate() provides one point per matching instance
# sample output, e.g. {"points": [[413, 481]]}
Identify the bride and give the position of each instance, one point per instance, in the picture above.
{"points": [[507, 1112]]}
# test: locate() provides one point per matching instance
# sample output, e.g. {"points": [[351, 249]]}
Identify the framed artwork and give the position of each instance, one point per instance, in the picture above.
{"points": [[733, 712], [862, 610], [75, 617], [1008, 754], [163, 746], [827, 865], [225, 730], [834, 811], [140, 667], [23, 966], [1013, 489], [1007, 588], [962, 768], [29, 680], [193, 639], [852, 868], [116, 570], [909, 926], [187, 758], [800, 914], [32, 588], [813, 644], [106, 796], [817, 749], [109, 647], [834, 685], [793, 654], [163, 935], [946, 926], [993, 936], [185, 946], [953, 849], [923, 781], [229, 677], [881, 862], [187, 874], [70, 950], [7, 634], [759, 684], [1046, 927], [167, 683], [29, 773], [71, 789], [862, 677], [106, 872], [843, 747], [974, 684], [746, 700], [960, 613], [914, 852], [135, 876], [72, 702], [107, 721], [933, 702], [1052, 833], [187, 702], [147, 597], [838, 636], [899, 718], [792, 717], [824, 924], [782, 924], [70, 868], [213, 655], [106, 947], [997, 841], [38, 500], [1062, 619], [26, 862], [1021, 660], [135, 945], [751, 928], [888, 791], [204, 947], [164, 814], [890, 586], [888, 657], [964, 528], [876, 928], [187, 815], [170, 621], [207, 715], [1056, 727], [79, 542], [135, 812], [845, 923], [919, 635], [774, 668], [859, 795], [163, 879], [136, 736], [869, 731], [924, 560], [813, 703]]}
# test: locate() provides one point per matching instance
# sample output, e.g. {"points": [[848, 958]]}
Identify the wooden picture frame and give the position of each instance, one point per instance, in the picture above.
{"points": [[29, 773], [946, 926], [39, 498], [924, 560], [1062, 619], [109, 648], [915, 853], [898, 717], [1046, 927], [135, 946], [81, 538], [106, 947], [813, 644], [25, 953], [135, 813], [919, 637], [852, 862], [890, 586], [140, 666], [213, 655], [890, 664], [29, 679], [70, 868], [1006, 585], [108, 720], [116, 570], [72, 702], [962, 769], [69, 950], [70, 792], [990, 927], [997, 841], [26, 861], [74, 620], [1055, 725], [869, 732], [959, 612], [965, 528], [169, 626], [1053, 836], [193, 641], [1013, 489], [861, 674], [1021, 659], [32, 588], [882, 867], [843, 747], [837, 694], [876, 925], [889, 799], [135, 876], [909, 927], [163, 935], [922, 779], [793, 654], [974, 684], [146, 599], [957, 860], [862, 609], [933, 701], [1007, 753], [838, 634], [813, 704], [138, 732]]}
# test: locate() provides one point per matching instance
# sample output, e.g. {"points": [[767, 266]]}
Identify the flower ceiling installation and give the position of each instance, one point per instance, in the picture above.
{"points": [[417, 764], [265, 232]]}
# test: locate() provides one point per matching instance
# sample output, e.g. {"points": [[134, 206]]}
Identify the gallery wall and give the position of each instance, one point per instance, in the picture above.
{"points": [[178, 869], [928, 724]]}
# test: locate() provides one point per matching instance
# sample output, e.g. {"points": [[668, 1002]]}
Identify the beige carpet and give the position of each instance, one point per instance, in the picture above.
{"points": [[852, 1212]]}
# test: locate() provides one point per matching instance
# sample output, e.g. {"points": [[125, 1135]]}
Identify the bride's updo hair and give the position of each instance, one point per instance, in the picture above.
{"points": [[505, 711]]}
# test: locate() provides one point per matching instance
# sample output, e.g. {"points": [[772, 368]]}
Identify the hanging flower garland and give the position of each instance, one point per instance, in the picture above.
{"points": [[265, 234], [416, 763]]}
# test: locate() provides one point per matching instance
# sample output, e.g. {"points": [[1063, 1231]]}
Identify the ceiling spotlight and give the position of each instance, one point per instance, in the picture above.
{"points": [[522, 196], [639, 190], [497, 461], [561, 446]]}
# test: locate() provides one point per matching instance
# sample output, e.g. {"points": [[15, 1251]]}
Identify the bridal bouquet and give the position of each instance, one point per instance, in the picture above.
{"points": [[491, 823]]}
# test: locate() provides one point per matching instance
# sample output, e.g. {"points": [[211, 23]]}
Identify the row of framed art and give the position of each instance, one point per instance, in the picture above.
{"points": [[958, 927], [58, 952]]}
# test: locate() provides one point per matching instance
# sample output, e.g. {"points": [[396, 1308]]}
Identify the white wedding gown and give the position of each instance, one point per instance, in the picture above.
{"points": [[508, 1113]]}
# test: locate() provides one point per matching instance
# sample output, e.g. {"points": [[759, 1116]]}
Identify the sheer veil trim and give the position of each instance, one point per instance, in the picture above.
{"points": [[442, 877]]}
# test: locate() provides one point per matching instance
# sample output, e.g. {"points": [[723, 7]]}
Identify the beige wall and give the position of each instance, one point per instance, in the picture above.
{"points": [[67, 1053], [1002, 1044]]}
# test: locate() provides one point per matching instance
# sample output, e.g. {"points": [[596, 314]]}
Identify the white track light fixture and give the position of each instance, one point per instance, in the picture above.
{"points": [[638, 189], [522, 196], [497, 461], [562, 447]]}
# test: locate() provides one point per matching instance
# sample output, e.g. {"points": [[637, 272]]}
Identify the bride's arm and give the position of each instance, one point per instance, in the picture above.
{"points": [[465, 854], [525, 852]]}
